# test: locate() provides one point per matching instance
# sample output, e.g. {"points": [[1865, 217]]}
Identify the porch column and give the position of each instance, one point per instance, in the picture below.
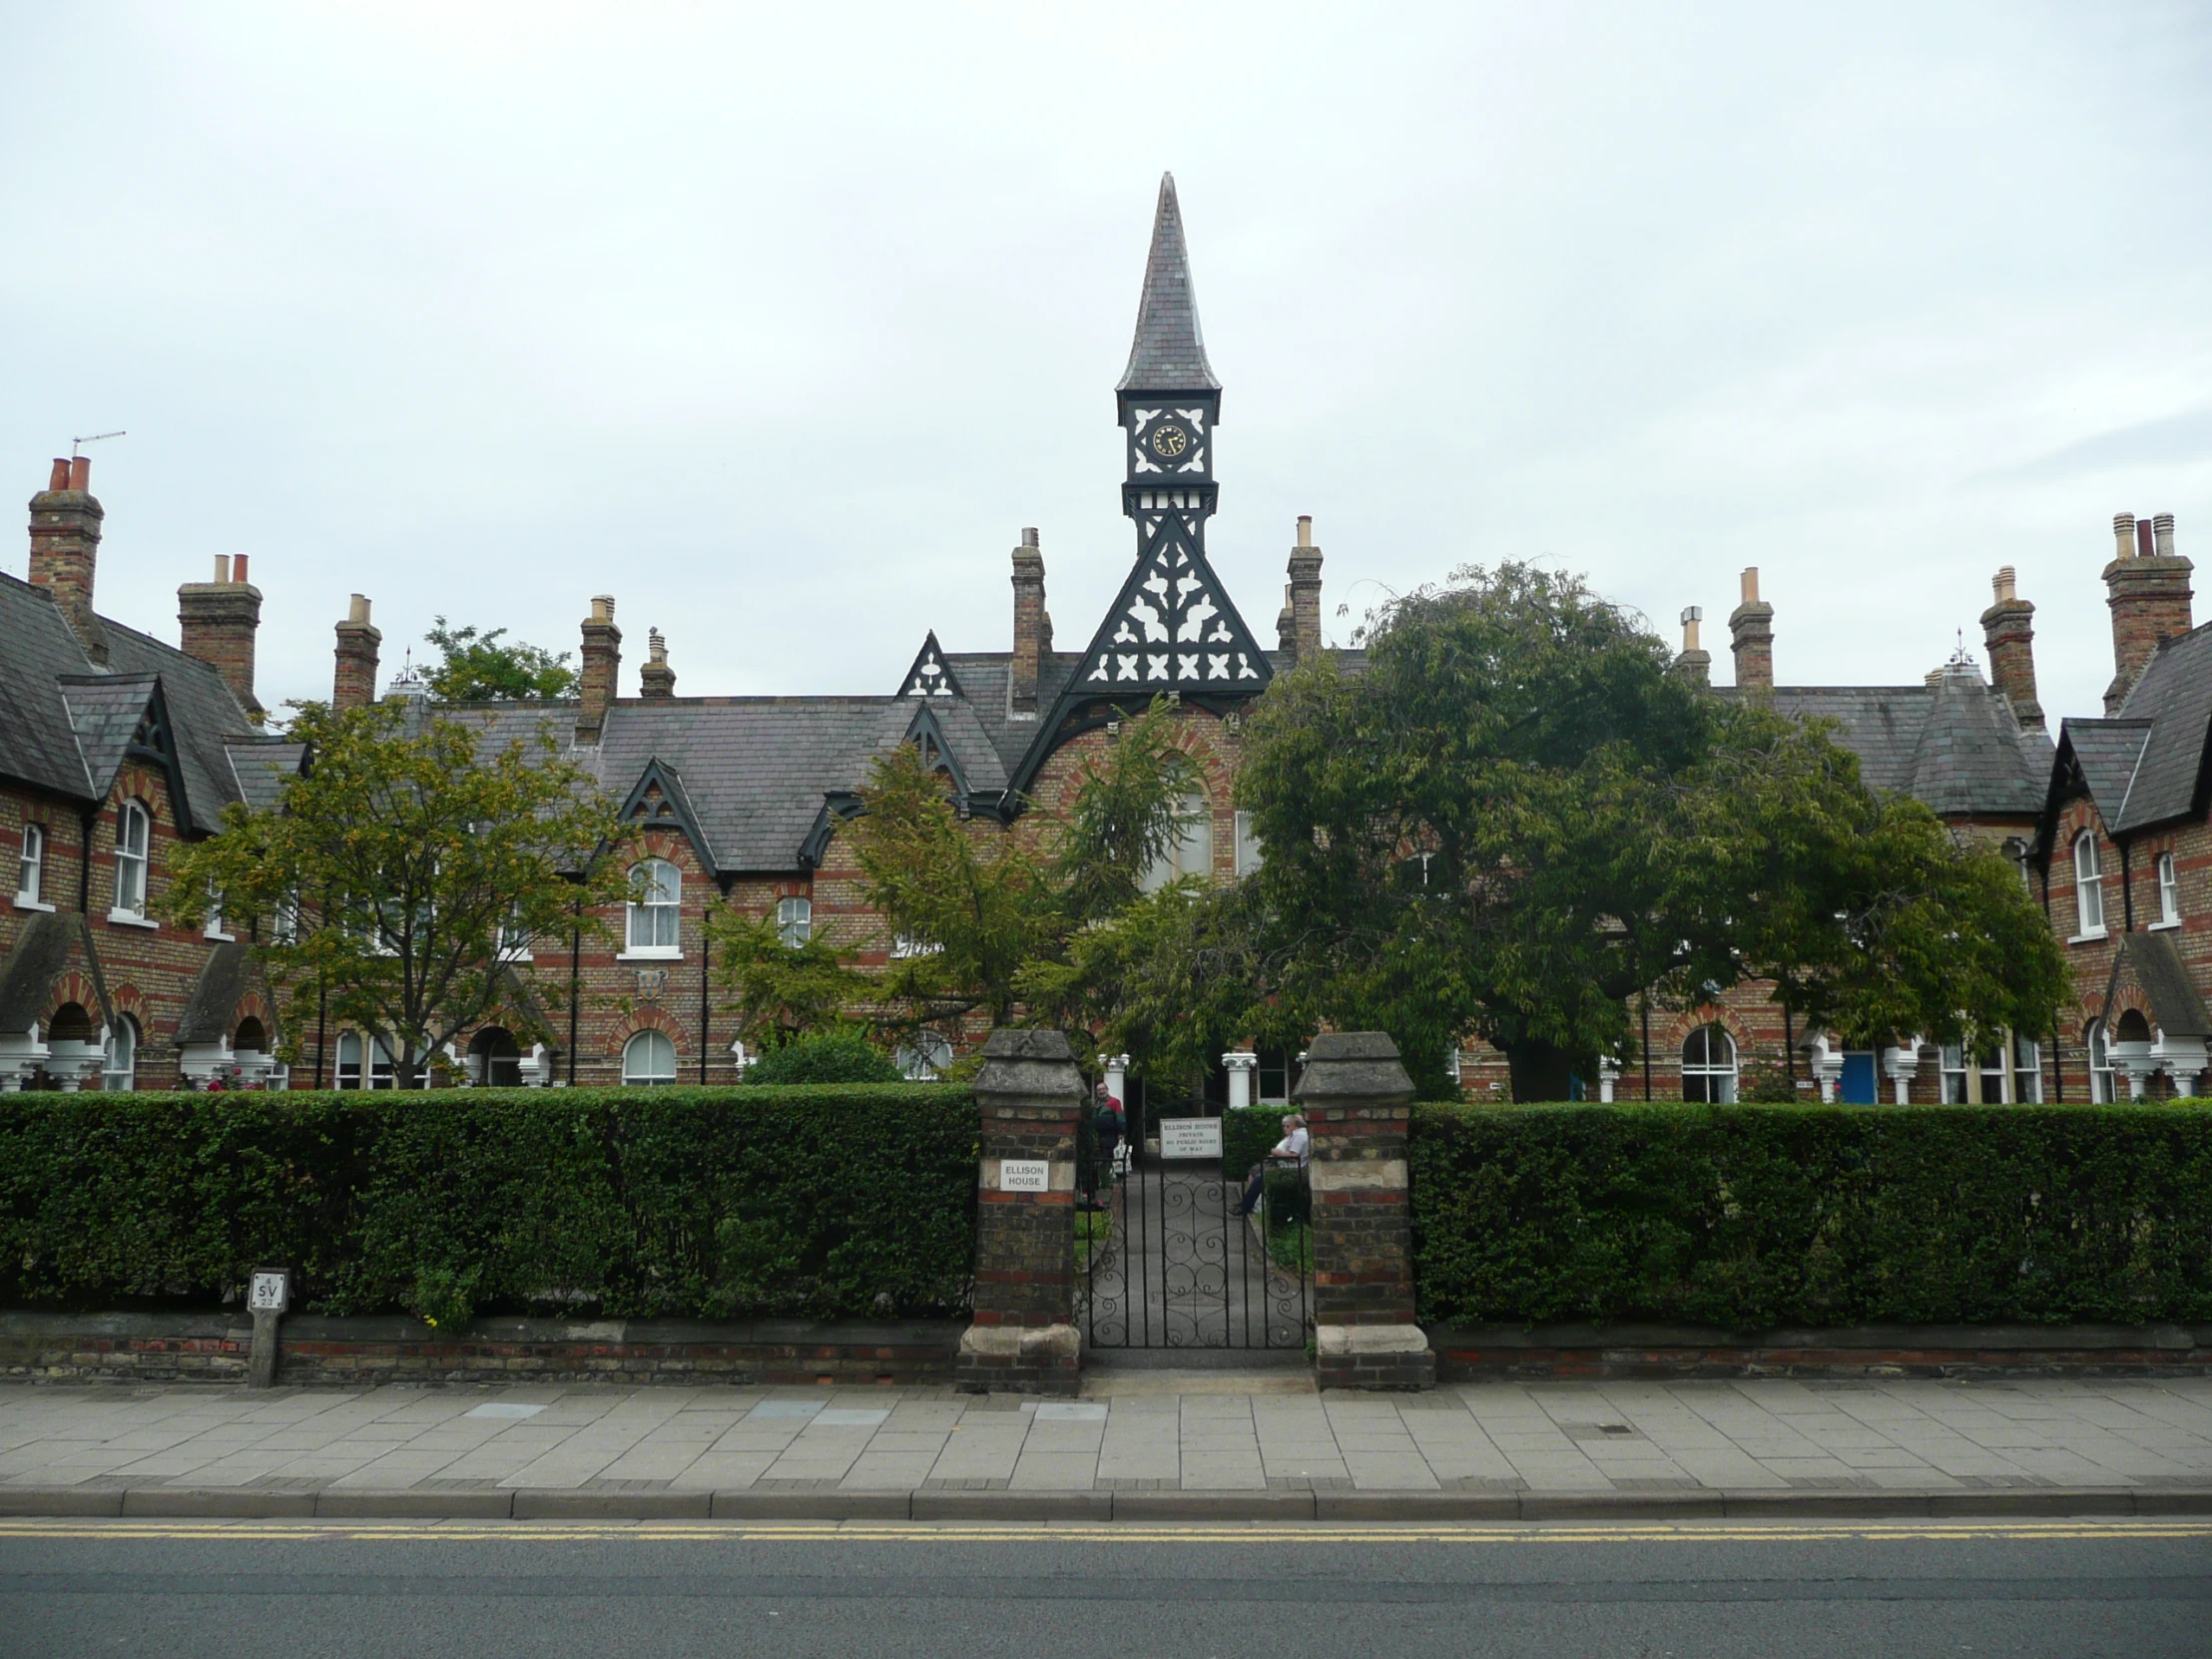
{"points": [[1239, 1066], [1023, 1338], [1358, 1099]]}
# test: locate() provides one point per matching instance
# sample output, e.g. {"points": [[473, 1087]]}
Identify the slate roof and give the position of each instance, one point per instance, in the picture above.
{"points": [[1954, 745], [755, 772], [2176, 1008], [226, 977], [66, 720], [42, 954], [2175, 694], [2151, 762], [1169, 352]]}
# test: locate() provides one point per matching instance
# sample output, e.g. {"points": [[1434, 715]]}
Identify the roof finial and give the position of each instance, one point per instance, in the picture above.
{"points": [[1169, 352]]}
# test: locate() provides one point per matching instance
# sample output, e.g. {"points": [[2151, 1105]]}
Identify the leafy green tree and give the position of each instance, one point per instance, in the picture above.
{"points": [[402, 871], [988, 919], [840, 1056], [783, 991], [478, 669], [1518, 818]]}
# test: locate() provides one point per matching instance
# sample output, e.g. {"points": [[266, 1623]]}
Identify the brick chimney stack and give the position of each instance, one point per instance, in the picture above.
{"points": [[65, 546], [2147, 585], [1751, 627], [1696, 663], [1304, 641], [2009, 629], [657, 681], [602, 668], [353, 686], [219, 620], [1032, 626]]}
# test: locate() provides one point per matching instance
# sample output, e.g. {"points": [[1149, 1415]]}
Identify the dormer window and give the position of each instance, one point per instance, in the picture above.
{"points": [[133, 830], [2169, 893], [30, 868], [656, 895], [2089, 889]]}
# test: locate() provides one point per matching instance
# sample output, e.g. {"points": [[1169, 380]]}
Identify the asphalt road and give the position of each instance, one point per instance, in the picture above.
{"points": [[1715, 1590]]}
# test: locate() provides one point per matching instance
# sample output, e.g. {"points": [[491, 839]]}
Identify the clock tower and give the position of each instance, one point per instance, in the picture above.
{"points": [[1173, 627]]}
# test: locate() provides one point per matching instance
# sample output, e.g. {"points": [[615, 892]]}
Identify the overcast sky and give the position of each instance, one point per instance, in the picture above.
{"points": [[778, 324]]}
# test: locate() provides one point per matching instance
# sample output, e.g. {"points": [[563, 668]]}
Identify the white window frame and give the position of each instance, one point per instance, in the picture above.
{"points": [[2105, 1077], [348, 1061], [638, 1053], [1193, 852], [2169, 893], [2027, 1071], [1967, 1077], [30, 869], [924, 1059], [215, 929], [383, 1068], [2089, 889], [650, 878], [907, 946], [1249, 855], [283, 926], [795, 919], [134, 845], [1720, 1081], [119, 1056]]}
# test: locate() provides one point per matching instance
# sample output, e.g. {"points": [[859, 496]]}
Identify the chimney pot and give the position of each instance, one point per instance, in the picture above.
{"points": [[237, 568], [58, 479], [1305, 529], [1751, 585], [1029, 535], [2004, 584], [2123, 535], [356, 610], [80, 472], [2162, 535], [222, 567]]}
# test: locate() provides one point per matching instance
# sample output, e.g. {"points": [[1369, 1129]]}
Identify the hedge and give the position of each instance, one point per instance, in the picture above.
{"points": [[707, 1203], [1756, 1216], [1248, 1135]]}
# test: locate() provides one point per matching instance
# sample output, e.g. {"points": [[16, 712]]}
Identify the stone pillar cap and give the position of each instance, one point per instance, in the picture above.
{"points": [[1036, 1065], [1354, 1065]]}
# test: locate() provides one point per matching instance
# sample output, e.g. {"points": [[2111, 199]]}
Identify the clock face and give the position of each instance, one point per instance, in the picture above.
{"points": [[1169, 440]]}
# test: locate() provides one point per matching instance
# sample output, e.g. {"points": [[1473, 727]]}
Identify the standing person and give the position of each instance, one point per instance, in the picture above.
{"points": [[1108, 1120], [1296, 1146]]}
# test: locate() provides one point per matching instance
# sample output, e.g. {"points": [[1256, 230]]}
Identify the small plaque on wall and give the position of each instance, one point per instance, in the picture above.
{"points": [[1190, 1137], [1024, 1175]]}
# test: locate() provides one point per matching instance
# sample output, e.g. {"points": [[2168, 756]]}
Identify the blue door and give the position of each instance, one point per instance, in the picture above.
{"points": [[1857, 1088]]}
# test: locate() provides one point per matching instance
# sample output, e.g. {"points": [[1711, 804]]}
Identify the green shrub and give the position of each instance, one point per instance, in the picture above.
{"points": [[1247, 1135], [1749, 1216], [833, 1057], [709, 1202]]}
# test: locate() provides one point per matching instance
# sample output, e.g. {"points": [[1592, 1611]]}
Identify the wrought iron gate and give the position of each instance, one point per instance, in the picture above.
{"points": [[1166, 1260]]}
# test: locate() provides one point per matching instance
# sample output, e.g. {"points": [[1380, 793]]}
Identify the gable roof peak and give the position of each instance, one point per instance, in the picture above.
{"points": [[1168, 352]]}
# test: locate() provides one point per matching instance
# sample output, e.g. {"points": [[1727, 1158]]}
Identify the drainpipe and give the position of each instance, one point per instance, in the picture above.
{"points": [[85, 822], [575, 979]]}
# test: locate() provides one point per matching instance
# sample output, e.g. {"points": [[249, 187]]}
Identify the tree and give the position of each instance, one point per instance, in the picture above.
{"points": [[988, 919], [403, 870], [784, 991], [1518, 818], [478, 669]]}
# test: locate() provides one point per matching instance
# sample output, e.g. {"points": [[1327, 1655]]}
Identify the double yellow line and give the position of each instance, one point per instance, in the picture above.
{"points": [[1119, 1533]]}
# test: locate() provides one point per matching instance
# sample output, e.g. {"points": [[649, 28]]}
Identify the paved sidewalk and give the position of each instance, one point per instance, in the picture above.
{"points": [[472, 1450]]}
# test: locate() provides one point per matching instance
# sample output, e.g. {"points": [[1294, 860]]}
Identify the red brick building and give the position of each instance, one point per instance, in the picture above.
{"points": [[114, 746]]}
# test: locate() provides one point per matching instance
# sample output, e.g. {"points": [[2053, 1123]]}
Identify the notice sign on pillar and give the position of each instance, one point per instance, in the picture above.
{"points": [[1190, 1137], [1024, 1175]]}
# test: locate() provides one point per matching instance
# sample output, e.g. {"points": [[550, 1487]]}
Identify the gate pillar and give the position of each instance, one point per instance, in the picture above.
{"points": [[1023, 1336], [1358, 1100]]}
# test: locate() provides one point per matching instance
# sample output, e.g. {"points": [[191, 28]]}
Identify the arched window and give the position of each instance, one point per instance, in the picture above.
{"points": [[118, 1064], [30, 869], [1192, 853], [2088, 886], [1709, 1065], [354, 1048], [647, 1059], [794, 920], [656, 896], [2169, 893], [923, 1060], [130, 831]]}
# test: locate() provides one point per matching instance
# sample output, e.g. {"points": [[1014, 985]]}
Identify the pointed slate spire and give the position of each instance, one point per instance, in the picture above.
{"points": [[1169, 352]]}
